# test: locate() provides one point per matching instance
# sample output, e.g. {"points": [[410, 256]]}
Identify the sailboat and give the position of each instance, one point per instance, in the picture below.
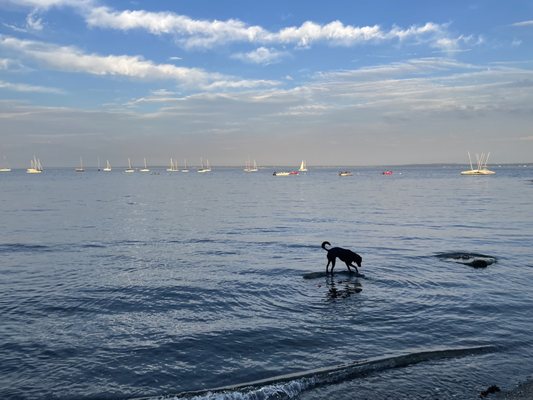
{"points": [[205, 168], [107, 166], [145, 169], [6, 168], [129, 169], [35, 166], [173, 167], [185, 169], [481, 165], [250, 168], [303, 166], [80, 168]]}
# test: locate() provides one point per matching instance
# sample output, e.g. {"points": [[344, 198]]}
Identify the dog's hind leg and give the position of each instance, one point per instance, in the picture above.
{"points": [[327, 266]]}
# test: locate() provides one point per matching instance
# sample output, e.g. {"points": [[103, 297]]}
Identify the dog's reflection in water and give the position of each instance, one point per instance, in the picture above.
{"points": [[342, 289]]}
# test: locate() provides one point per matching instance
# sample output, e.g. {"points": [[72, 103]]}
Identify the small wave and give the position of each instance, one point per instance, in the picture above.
{"points": [[475, 260], [302, 246], [93, 246], [21, 247], [291, 385]]}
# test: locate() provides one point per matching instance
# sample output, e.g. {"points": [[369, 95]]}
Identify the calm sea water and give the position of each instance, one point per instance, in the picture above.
{"points": [[116, 286]]}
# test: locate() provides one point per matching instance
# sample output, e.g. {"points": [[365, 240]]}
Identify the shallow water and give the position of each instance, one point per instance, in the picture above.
{"points": [[132, 285]]}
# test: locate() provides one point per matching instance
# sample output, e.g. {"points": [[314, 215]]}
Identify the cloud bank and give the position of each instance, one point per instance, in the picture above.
{"points": [[72, 59]]}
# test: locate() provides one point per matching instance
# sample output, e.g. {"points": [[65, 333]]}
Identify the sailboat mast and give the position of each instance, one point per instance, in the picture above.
{"points": [[486, 160]]}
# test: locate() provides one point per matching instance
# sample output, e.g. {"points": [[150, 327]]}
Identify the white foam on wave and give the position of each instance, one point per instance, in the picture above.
{"points": [[291, 385]]}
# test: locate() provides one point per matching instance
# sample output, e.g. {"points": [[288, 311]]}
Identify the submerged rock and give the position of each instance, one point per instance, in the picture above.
{"points": [[491, 389], [479, 264], [474, 260]]}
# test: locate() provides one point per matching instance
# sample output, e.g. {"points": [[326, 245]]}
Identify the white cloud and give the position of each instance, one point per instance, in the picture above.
{"points": [[451, 45], [261, 55], [5, 63], [201, 33], [22, 87], [34, 22], [196, 33], [71, 59], [205, 34], [524, 23]]}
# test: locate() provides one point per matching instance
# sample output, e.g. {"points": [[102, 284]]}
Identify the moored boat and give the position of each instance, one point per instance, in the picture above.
{"points": [[129, 170], [80, 168], [35, 166], [145, 169], [481, 166]]}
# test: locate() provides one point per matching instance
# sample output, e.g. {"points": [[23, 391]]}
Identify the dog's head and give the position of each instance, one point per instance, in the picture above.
{"points": [[358, 260]]}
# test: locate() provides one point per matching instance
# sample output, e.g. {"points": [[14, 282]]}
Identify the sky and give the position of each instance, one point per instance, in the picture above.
{"points": [[342, 82]]}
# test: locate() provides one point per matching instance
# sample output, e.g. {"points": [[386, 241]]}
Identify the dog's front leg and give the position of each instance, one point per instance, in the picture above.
{"points": [[332, 265], [357, 271]]}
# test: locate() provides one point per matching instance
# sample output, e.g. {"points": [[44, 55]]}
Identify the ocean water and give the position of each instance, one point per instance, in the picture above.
{"points": [[120, 286]]}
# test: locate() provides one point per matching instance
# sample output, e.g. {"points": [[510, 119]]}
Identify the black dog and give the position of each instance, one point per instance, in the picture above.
{"points": [[348, 256]]}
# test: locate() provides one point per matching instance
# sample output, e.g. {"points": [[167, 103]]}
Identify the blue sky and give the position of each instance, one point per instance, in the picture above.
{"points": [[336, 83]]}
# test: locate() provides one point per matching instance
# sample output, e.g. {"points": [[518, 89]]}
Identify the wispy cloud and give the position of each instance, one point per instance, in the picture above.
{"points": [[203, 33], [34, 22], [72, 59], [261, 55], [192, 33], [524, 23], [22, 87]]}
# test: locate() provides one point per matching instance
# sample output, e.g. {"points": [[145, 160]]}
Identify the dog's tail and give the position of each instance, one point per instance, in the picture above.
{"points": [[324, 245]]}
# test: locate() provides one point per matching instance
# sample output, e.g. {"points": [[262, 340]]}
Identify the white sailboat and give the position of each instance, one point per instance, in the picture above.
{"points": [[35, 166], [129, 169], [205, 168], [251, 168], [303, 166], [185, 169], [173, 166], [481, 165], [145, 169], [107, 166], [80, 168], [6, 168]]}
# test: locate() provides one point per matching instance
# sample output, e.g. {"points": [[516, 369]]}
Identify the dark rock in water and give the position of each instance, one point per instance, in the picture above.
{"points": [[478, 264], [474, 260], [491, 389]]}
